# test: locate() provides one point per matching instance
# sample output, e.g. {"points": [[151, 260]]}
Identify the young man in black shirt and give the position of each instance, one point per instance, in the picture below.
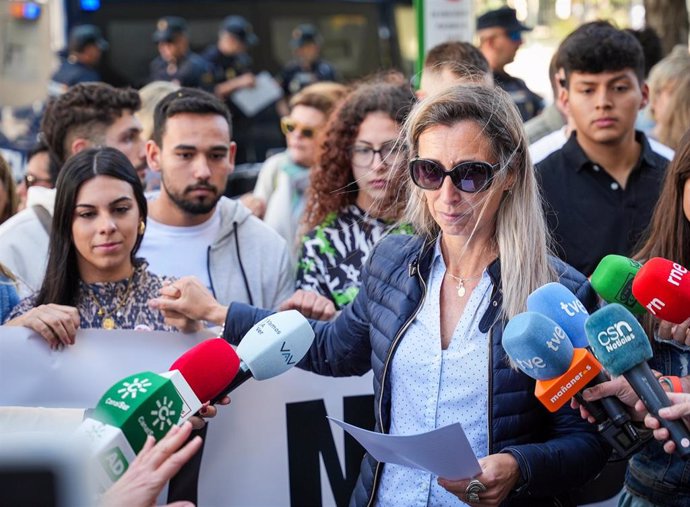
{"points": [[601, 187]]}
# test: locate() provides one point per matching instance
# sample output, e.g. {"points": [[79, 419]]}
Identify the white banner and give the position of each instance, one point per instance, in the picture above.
{"points": [[271, 446]]}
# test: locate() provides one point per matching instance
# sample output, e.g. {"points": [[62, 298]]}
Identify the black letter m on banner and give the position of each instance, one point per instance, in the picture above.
{"points": [[310, 436]]}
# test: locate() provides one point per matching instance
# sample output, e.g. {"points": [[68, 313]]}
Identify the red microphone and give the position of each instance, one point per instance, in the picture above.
{"points": [[663, 288], [208, 367]]}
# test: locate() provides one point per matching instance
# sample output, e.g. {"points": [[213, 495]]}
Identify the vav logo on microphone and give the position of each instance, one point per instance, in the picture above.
{"points": [[287, 354], [616, 335]]}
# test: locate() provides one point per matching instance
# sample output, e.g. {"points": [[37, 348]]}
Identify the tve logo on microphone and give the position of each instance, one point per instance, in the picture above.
{"points": [[574, 307], [558, 337], [616, 336]]}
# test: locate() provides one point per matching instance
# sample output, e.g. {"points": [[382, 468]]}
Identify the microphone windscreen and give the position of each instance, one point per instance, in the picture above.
{"points": [[613, 279], [208, 367], [275, 344], [663, 288], [537, 345], [557, 302], [617, 339]]}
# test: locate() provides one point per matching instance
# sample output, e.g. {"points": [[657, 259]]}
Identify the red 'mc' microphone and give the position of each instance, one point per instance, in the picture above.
{"points": [[663, 288]]}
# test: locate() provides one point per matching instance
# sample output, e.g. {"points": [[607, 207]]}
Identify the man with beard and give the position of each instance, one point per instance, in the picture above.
{"points": [[192, 228], [86, 115]]}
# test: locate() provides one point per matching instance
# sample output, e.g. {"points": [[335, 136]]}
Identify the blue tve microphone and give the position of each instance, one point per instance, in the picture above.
{"points": [[557, 302], [622, 346], [541, 349]]}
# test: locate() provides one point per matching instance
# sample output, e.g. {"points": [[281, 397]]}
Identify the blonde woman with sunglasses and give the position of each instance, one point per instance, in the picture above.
{"points": [[430, 315], [285, 176]]}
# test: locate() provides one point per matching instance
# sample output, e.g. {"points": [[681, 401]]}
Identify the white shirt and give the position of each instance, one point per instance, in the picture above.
{"points": [[545, 146], [180, 251], [431, 388]]}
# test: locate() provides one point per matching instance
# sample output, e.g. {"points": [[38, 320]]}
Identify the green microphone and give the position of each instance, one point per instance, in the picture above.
{"points": [[140, 405], [612, 280]]}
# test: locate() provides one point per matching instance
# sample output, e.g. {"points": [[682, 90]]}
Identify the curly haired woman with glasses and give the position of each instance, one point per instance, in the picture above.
{"points": [[355, 195]]}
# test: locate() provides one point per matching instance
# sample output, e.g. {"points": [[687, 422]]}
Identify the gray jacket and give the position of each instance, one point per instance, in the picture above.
{"points": [[248, 262]]}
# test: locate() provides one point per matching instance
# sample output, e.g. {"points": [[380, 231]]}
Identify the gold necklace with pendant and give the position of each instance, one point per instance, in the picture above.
{"points": [[461, 283], [108, 322]]}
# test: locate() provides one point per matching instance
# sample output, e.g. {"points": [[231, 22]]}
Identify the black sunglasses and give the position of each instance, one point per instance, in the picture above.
{"points": [[470, 177]]}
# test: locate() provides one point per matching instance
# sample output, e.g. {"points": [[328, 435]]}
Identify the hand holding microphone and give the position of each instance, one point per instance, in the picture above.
{"points": [[557, 302], [680, 409], [622, 346]]}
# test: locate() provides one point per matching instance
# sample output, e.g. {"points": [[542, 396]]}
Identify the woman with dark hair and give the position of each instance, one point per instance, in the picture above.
{"points": [[93, 279], [356, 192]]}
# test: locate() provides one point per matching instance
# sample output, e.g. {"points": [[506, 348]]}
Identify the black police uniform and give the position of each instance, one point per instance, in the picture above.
{"points": [[192, 71], [528, 103], [69, 73], [294, 77]]}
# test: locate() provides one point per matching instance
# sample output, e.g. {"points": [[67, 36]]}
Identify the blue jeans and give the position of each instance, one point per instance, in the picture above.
{"points": [[654, 477]]}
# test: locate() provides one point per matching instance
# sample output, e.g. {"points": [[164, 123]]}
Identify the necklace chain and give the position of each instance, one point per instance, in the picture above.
{"points": [[108, 321], [461, 282]]}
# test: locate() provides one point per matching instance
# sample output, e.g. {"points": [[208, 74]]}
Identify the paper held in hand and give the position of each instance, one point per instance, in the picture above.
{"points": [[445, 451], [264, 93]]}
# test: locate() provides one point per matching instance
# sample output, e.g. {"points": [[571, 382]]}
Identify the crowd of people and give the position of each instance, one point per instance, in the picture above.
{"points": [[410, 225]]}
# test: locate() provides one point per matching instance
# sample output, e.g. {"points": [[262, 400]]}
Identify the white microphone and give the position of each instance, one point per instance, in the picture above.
{"points": [[271, 347]]}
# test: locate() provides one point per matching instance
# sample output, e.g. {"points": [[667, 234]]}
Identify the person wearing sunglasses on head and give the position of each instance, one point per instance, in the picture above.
{"points": [[284, 177], [500, 37], [430, 316], [355, 195]]}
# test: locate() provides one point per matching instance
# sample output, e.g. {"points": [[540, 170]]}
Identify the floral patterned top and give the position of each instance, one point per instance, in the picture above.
{"points": [[134, 312], [334, 252]]}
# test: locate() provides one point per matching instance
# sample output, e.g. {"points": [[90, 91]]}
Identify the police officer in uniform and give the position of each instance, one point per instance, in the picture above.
{"points": [[85, 48], [232, 69], [176, 63], [500, 36], [231, 64], [307, 67]]}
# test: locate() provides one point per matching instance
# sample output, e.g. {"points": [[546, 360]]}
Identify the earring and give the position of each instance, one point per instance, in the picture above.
{"points": [[142, 228]]}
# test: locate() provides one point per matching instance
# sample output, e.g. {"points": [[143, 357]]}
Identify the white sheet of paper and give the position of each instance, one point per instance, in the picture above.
{"points": [[264, 92], [445, 451]]}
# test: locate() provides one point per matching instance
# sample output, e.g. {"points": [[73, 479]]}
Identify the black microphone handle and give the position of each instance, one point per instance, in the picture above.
{"points": [[595, 408], [647, 387], [241, 377], [615, 409]]}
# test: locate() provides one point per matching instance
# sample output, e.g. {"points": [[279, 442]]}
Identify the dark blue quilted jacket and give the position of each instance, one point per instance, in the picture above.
{"points": [[556, 452]]}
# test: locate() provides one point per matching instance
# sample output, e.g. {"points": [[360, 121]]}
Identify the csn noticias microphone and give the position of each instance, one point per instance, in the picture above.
{"points": [[271, 347], [540, 349], [663, 288], [556, 301], [613, 281], [147, 403], [622, 346]]}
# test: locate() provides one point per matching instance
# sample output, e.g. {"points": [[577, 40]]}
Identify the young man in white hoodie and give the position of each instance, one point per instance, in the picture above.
{"points": [[87, 115], [192, 229]]}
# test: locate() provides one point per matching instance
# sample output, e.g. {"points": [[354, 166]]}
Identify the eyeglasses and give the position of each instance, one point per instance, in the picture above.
{"points": [[288, 125], [470, 177], [363, 155], [31, 181]]}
